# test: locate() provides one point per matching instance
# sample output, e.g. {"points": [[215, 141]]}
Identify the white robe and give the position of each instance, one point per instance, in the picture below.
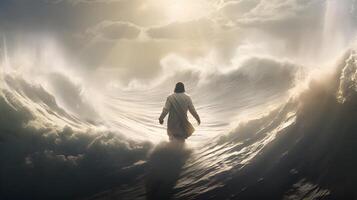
{"points": [[177, 105]]}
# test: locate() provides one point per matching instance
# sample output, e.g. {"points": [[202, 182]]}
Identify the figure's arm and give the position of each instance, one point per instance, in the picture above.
{"points": [[165, 110], [193, 111]]}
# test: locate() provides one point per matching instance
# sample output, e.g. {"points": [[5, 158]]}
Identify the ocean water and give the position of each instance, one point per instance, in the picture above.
{"points": [[260, 137]]}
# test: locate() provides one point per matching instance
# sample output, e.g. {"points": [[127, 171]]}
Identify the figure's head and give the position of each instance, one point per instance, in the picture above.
{"points": [[179, 88]]}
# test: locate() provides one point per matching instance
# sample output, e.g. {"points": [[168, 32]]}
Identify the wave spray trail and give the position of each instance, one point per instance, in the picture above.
{"points": [[337, 28]]}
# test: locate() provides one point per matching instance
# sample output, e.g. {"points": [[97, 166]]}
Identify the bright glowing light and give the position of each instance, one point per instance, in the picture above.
{"points": [[182, 10]]}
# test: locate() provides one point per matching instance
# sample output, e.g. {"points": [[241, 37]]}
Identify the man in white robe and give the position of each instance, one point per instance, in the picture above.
{"points": [[177, 105]]}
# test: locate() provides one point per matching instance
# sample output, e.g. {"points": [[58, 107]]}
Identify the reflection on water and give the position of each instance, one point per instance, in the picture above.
{"points": [[164, 168]]}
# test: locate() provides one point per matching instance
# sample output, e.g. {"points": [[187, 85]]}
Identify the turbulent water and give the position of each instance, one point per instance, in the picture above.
{"points": [[256, 139]]}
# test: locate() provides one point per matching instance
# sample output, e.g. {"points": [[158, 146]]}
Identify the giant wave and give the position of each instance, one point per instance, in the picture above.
{"points": [[302, 147]]}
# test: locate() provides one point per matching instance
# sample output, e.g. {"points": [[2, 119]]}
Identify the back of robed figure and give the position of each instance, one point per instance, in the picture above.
{"points": [[177, 105]]}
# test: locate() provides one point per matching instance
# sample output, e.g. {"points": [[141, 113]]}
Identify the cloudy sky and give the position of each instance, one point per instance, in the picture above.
{"points": [[127, 39]]}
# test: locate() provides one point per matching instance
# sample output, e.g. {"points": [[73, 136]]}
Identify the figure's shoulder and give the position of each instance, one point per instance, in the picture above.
{"points": [[187, 95], [171, 96]]}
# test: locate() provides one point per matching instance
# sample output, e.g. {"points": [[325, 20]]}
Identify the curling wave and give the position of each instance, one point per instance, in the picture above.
{"points": [[297, 150]]}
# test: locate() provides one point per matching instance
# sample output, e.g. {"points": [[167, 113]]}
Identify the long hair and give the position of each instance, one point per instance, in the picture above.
{"points": [[179, 88]]}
